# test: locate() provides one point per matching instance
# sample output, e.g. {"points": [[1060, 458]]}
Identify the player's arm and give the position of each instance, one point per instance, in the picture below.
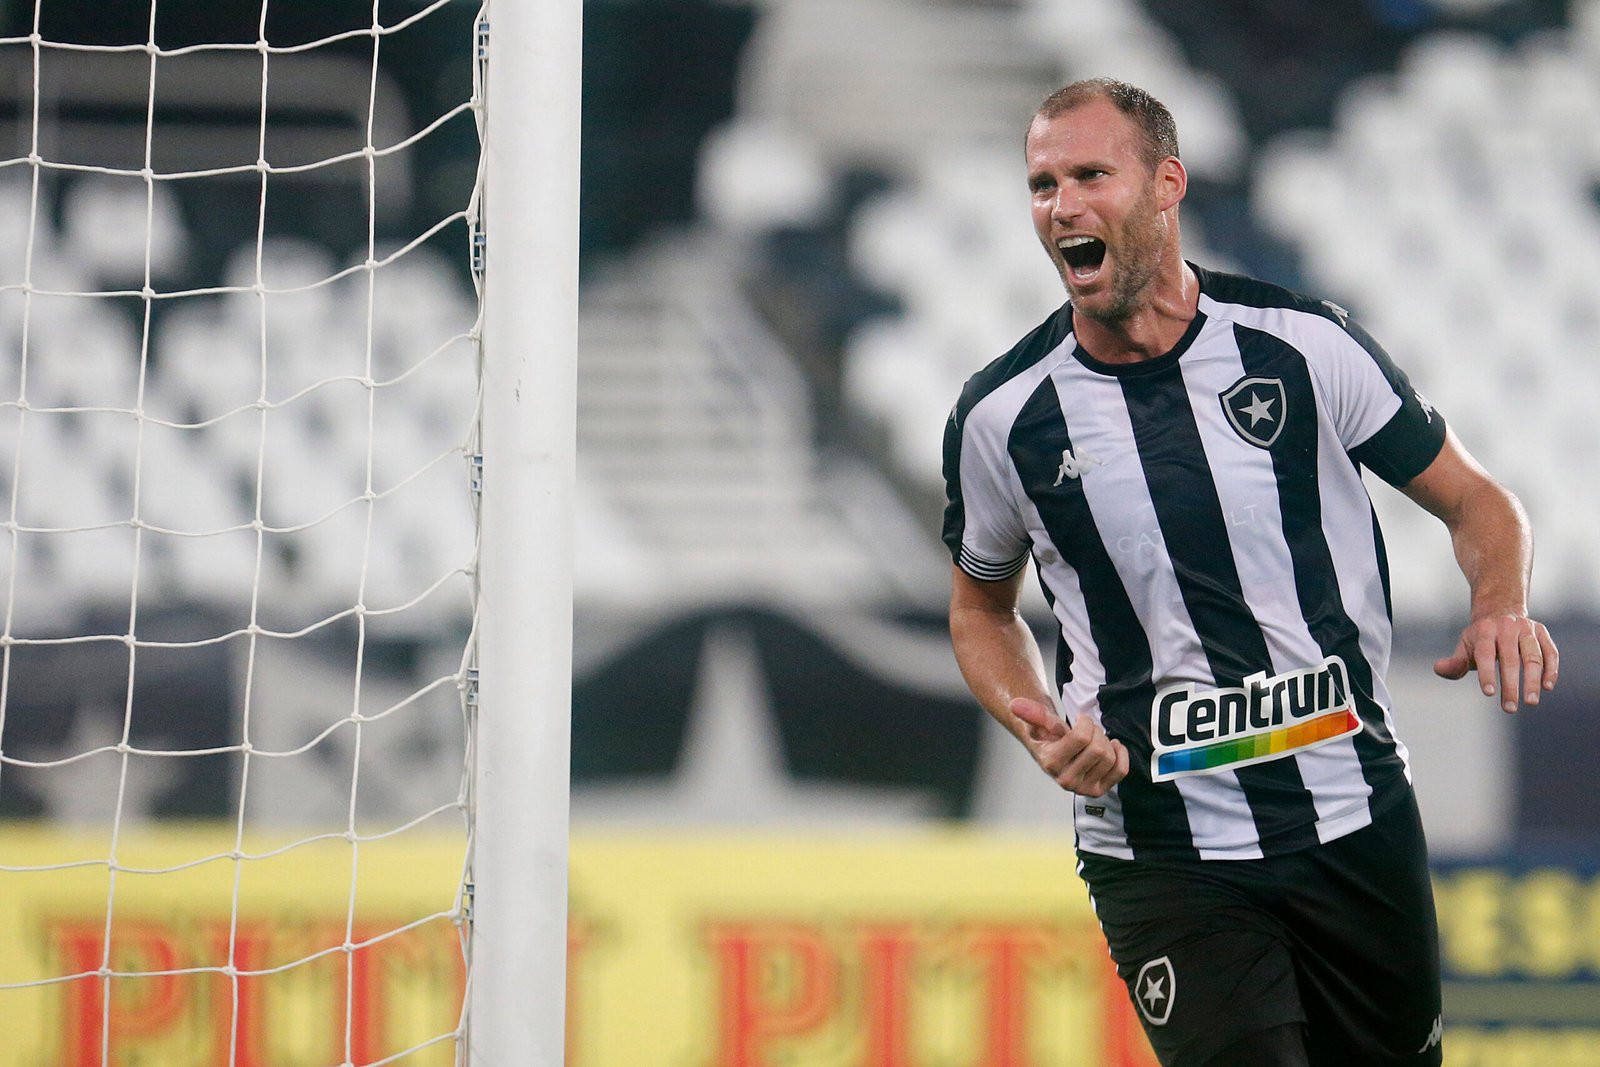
{"points": [[1000, 660], [1494, 547]]}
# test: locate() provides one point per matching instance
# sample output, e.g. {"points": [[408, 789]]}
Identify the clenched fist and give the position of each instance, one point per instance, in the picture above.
{"points": [[1080, 757]]}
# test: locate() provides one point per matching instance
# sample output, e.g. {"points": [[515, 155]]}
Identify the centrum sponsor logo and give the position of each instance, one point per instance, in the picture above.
{"points": [[1203, 731]]}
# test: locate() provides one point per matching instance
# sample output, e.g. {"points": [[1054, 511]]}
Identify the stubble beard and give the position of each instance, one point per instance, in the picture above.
{"points": [[1138, 263]]}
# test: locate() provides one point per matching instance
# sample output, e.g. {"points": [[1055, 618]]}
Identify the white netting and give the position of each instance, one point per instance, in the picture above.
{"points": [[238, 408]]}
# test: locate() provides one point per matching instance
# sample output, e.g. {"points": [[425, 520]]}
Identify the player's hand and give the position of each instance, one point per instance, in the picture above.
{"points": [[1500, 648], [1080, 757]]}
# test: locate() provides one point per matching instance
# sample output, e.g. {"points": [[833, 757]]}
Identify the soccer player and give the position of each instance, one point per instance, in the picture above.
{"points": [[1179, 451]]}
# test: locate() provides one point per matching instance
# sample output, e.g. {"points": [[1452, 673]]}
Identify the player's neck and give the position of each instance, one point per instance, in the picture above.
{"points": [[1153, 329]]}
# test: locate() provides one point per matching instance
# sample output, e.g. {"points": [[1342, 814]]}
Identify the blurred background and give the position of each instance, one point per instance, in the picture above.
{"points": [[804, 224]]}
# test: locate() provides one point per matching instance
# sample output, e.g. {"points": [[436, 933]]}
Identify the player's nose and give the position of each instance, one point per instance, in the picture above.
{"points": [[1066, 206]]}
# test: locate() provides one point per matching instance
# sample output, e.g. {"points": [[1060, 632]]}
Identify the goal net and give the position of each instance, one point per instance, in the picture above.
{"points": [[248, 390]]}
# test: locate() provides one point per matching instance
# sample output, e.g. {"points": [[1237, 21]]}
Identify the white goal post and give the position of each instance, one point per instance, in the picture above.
{"points": [[524, 652]]}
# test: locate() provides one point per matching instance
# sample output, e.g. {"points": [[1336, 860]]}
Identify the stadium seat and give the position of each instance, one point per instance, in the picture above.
{"points": [[1451, 210], [118, 227]]}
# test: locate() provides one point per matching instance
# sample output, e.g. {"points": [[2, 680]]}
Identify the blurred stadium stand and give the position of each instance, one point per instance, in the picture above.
{"points": [[804, 225], [863, 198]]}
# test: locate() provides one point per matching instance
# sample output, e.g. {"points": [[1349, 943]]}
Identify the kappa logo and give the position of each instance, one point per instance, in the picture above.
{"points": [[1435, 1035], [1204, 731], [1073, 464], [1155, 989], [1255, 409], [1422, 402]]}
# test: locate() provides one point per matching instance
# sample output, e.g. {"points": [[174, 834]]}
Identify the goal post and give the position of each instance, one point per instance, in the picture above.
{"points": [[521, 738]]}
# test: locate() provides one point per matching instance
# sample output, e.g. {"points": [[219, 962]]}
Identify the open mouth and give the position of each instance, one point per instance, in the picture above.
{"points": [[1083, 256]]}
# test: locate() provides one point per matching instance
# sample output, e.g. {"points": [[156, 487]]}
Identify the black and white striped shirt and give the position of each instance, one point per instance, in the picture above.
{"points": [[1204, 539]]}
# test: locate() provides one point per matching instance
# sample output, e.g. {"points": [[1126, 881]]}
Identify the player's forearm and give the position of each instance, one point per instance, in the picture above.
{"points": [[1493, 545], [1000, 660]]}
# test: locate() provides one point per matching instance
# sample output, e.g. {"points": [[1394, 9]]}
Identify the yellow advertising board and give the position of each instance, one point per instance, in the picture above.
{"points": [[1521, 955], [937, 949], [892, 951], [258, 963], [899, 951]]}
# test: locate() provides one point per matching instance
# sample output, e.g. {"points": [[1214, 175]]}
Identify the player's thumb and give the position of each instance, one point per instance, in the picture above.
{"points": [[1040, 718], [1456, 664]]}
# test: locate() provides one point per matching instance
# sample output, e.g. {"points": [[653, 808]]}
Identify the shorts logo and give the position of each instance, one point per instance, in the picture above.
{"points": [[1154, 991], [1206, 731], [1255, 409], [1435, 1035]]}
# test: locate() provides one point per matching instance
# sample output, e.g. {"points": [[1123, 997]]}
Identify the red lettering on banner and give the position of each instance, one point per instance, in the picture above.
{"points": [[222, 1019], [751, 1012], [1126, 1045], [160, 998], [1006, 950], [578, 937], [243, 1037], [777, 988], [365, 999], [80, 946], [888, 950], [369, 968]]}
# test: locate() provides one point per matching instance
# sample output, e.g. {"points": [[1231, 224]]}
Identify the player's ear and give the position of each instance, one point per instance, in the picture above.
{"points": [[1172, 182]]}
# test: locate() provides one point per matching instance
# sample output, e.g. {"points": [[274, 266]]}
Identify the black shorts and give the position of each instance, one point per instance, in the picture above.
{"points": [[1341, 937]]}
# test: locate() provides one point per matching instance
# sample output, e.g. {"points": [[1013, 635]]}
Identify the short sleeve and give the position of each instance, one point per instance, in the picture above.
{"points": [[1383, 422], [983, 526]]}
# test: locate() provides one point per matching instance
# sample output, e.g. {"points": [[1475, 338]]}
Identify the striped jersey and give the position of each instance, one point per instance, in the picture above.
{"points": [[1202, 534]]}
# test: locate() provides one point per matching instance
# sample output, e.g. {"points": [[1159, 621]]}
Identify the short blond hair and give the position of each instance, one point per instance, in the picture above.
{"points": [[1158, 133]]}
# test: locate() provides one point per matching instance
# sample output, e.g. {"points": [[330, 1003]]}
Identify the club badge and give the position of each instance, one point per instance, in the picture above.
{"points": [[1255, 409], [1155, 989]]}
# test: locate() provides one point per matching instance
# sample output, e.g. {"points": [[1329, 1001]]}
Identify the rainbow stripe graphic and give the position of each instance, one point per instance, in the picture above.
{"points": [[1257, 747]]}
